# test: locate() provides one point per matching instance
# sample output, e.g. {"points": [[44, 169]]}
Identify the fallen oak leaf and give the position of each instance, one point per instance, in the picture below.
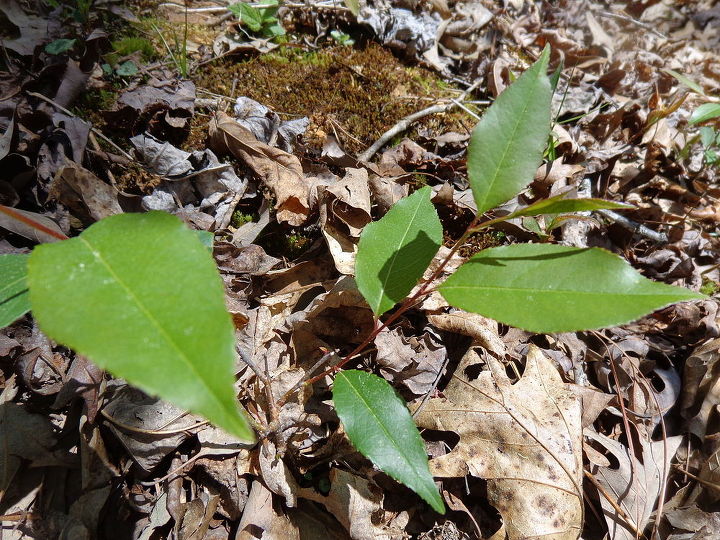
{"points": [[524, 438], [280, 171]]}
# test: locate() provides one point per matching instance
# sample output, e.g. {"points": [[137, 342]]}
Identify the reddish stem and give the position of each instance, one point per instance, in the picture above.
{"points": [[31, 222], [405, 306]]}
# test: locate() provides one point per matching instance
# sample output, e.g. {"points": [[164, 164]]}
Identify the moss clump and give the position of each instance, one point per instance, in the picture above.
{"points": [[128, 45], [278, 242], [239, 218], [710, 287], [354, 93]]}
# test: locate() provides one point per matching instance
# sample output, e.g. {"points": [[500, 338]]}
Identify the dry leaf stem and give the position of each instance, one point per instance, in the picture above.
{"points": [[614, 504]]}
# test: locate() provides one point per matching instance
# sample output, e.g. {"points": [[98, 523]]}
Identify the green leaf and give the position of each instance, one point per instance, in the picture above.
{"points": [[250, 16], [549, 288], [273, 30], [692, 85], [560, 205], [206, 239], [141, 297], [127, 69], [394, 252], [507, 145], [380, 427], [14, 299], [59, 46], [705, 112]]}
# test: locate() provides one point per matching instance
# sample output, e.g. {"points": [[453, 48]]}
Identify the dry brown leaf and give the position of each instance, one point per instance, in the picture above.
{"points": [[84, 193], [351, 201], [31, 233], [635, 486], [482, 330], [524, 438], [701, 386], [415, 362], [148, 428], [356, 503], [280, 171]]}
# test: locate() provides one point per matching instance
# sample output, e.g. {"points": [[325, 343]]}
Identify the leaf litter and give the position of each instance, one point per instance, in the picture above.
{"points": [[590, 434]]}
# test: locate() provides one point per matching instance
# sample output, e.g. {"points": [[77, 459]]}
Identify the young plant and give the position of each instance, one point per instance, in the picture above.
{"points": [[260, 20], [543, 288], [139, 293]]}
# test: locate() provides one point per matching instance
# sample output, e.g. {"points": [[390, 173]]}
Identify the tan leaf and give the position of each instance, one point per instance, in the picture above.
{"points": [[482, 330], [524, 438], [280, 171], [355, 503], [634, 485], [78, 188]]}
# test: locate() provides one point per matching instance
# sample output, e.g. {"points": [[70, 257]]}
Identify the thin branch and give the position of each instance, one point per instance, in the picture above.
{"points": [[627, 18], [401, 126], [628, 521], [634, 226]]}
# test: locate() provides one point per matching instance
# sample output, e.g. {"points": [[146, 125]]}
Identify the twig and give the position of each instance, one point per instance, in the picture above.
{"points": [[637, 228], [312, 370], [273, 407], [92, 128], [627, 18], [464, 108], [614, 504], [404, 123], [401, 126]]}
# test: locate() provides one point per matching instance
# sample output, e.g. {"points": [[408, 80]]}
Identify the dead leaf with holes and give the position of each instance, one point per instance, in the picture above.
{"points": [[523, 438], [280, 171], [634, 486]]}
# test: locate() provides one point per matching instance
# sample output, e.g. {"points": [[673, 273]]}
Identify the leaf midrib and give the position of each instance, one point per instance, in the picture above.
{"points": [[418, 474], [155, 323], [549, 291], [519, 117], [9, 286], [397, 251]]}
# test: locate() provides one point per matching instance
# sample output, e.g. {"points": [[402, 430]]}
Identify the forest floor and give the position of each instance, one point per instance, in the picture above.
{"points": [[107, 107]]}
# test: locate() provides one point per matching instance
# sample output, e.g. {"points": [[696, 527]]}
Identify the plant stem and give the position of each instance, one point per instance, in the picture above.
{"points": [[408, 303]]}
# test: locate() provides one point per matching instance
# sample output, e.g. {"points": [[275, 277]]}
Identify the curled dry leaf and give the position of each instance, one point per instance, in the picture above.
{"points": [[415, 362], [355, 502], [524, 438], [635, 486], [701, 388], [344, 211], [84, 193], [482, 330], [280, 171]]}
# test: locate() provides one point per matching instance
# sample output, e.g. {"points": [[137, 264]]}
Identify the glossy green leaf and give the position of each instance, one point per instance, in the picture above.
{"points": [[507, 145], [14, 300], [141, 297], [550, 288], [561, 205], [394, 252], [705, 112], [380, 427]]}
